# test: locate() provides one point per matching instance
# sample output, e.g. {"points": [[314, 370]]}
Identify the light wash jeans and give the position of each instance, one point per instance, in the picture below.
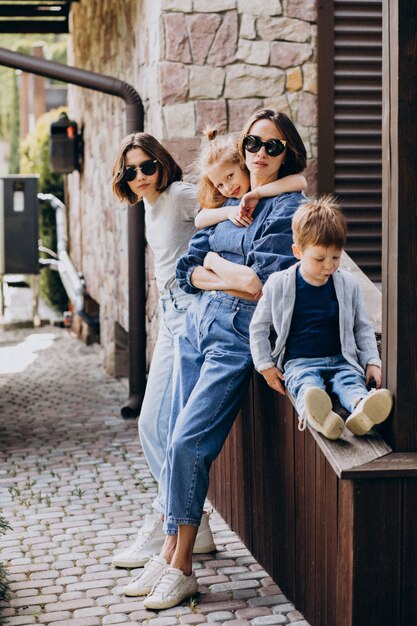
{"points": [[214, 369], [156, 406], [331, 373]]}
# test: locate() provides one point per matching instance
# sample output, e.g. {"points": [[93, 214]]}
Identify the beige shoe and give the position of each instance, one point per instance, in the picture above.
{"points": [[143, 583], [204, 541], [171, 589], [149, 541], [319, 414], [372, 409]]}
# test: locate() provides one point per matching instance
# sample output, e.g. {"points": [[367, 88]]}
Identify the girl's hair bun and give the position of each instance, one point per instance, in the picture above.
{"points": [[210, 133]]}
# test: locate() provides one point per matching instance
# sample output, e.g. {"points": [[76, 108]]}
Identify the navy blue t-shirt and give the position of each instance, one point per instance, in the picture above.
{"points": [[314, 330]]}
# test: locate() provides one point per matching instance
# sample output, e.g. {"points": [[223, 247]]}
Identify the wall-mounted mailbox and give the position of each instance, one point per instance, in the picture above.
{"points": [[64, 145], [19, 227]]}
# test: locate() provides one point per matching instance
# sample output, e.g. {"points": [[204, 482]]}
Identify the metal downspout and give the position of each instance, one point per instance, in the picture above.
{"points": [[136, 225]]}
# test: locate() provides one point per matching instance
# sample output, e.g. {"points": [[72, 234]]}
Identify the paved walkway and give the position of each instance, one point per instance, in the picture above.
{"points": [[74, 486]]}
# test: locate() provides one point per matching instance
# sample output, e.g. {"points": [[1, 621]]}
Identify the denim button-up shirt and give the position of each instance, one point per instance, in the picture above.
{"points": [[264, 246]]}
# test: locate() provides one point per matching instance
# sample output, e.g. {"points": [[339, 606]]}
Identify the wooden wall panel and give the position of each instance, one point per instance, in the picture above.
{"points": [[343, 550]]}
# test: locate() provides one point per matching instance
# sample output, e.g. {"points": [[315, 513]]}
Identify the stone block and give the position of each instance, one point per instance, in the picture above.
{"points": [[286, 55], [184, 151], [294, 79], [260, 7], [310, 77], [214, 6], [307, 109], [173, 82], [283, 28], [180, 120], [250, 81], [176, 38], [255, 52], [223, 49], [247, 26], [186, 6], [206, 82], [303, 9], [211, 113], [202, 29]]}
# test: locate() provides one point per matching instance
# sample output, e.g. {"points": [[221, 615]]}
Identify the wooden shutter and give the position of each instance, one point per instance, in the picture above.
{"points": [[350, 119]]}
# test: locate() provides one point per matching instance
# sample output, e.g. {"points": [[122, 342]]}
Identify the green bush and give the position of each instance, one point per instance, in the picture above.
{"points": [[35, 160], [4, 590]]}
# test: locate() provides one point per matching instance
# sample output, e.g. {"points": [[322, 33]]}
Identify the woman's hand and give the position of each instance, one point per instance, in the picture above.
{"points": [[274, 379]]}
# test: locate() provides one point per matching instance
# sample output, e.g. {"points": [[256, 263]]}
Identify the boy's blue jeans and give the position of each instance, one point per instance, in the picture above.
{"points": [[156, 406], [331, 373], [215, 364]]}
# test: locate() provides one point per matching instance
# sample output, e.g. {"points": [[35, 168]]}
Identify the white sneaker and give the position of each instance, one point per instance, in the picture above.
{"points": [[149, 541], [170, 589], [319, 414], [204, 541], [372, 409], [143, 583]]}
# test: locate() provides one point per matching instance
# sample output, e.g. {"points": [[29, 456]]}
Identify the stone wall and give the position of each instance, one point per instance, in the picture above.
{"points": [[194, 63]]}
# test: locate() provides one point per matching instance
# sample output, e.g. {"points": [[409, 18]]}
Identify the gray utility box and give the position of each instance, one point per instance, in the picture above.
{"points": [[19, 228]]}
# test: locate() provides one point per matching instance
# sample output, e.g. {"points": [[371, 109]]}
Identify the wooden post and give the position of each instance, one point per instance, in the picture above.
{"points": [[399, 211]]}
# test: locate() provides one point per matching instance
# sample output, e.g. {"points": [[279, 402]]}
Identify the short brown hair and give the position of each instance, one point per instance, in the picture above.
{"points": [[168, 169], [319, 223], [296, 156]]}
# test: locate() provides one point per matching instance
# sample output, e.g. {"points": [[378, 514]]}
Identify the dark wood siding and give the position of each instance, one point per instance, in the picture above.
{"points": [[350, 123], [332, 528]]}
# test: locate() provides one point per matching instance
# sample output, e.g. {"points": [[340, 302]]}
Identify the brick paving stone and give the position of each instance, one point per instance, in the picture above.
{"points": [[220, 616], [54, 617], [20, 621], [295, 616], [252, 613], [269, 619], [268, 601], [192, 619], [87, 461], [162, 621]]}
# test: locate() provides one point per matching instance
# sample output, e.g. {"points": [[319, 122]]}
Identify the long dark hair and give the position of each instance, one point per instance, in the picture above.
{"points": [[296, 156], [168, 169]]}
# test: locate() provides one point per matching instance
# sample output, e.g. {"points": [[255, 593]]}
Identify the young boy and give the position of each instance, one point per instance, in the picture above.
{"points": [[324, 338]]}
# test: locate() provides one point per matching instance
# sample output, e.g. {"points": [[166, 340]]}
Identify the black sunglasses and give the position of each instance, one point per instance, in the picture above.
{"points": [[147, 167], [273, 147]]}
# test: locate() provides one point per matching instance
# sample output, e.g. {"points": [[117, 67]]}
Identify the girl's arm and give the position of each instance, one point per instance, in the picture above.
{"points": [[211, 217], [293, 182]]}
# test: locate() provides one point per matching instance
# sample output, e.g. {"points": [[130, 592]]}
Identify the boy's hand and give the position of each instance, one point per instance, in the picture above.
{"points": [[373, 373], [239, 218], [274, 378]]}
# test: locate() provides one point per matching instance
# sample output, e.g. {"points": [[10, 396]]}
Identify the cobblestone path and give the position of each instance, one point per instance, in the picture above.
{"points": [[74, 487]]}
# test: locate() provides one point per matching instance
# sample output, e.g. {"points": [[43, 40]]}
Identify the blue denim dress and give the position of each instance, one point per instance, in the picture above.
{"points": [[215, 362]]}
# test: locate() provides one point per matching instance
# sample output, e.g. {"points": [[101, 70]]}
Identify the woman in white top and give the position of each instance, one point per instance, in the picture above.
{"points": [[145, 170]]}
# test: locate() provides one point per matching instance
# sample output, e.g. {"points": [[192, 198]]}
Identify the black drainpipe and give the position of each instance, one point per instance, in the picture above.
{"points": [[136, 226]]}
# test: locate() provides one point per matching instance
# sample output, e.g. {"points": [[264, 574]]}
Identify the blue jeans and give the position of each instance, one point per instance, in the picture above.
{"points": [[331, 373], [156, 406], [215, 365]]}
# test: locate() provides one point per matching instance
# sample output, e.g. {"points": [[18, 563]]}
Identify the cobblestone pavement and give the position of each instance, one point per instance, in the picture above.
{"points": [[74, 486]]}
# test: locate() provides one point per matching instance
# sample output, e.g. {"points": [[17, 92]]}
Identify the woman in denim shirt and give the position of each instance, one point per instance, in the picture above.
{"points": [[227, 267]]}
